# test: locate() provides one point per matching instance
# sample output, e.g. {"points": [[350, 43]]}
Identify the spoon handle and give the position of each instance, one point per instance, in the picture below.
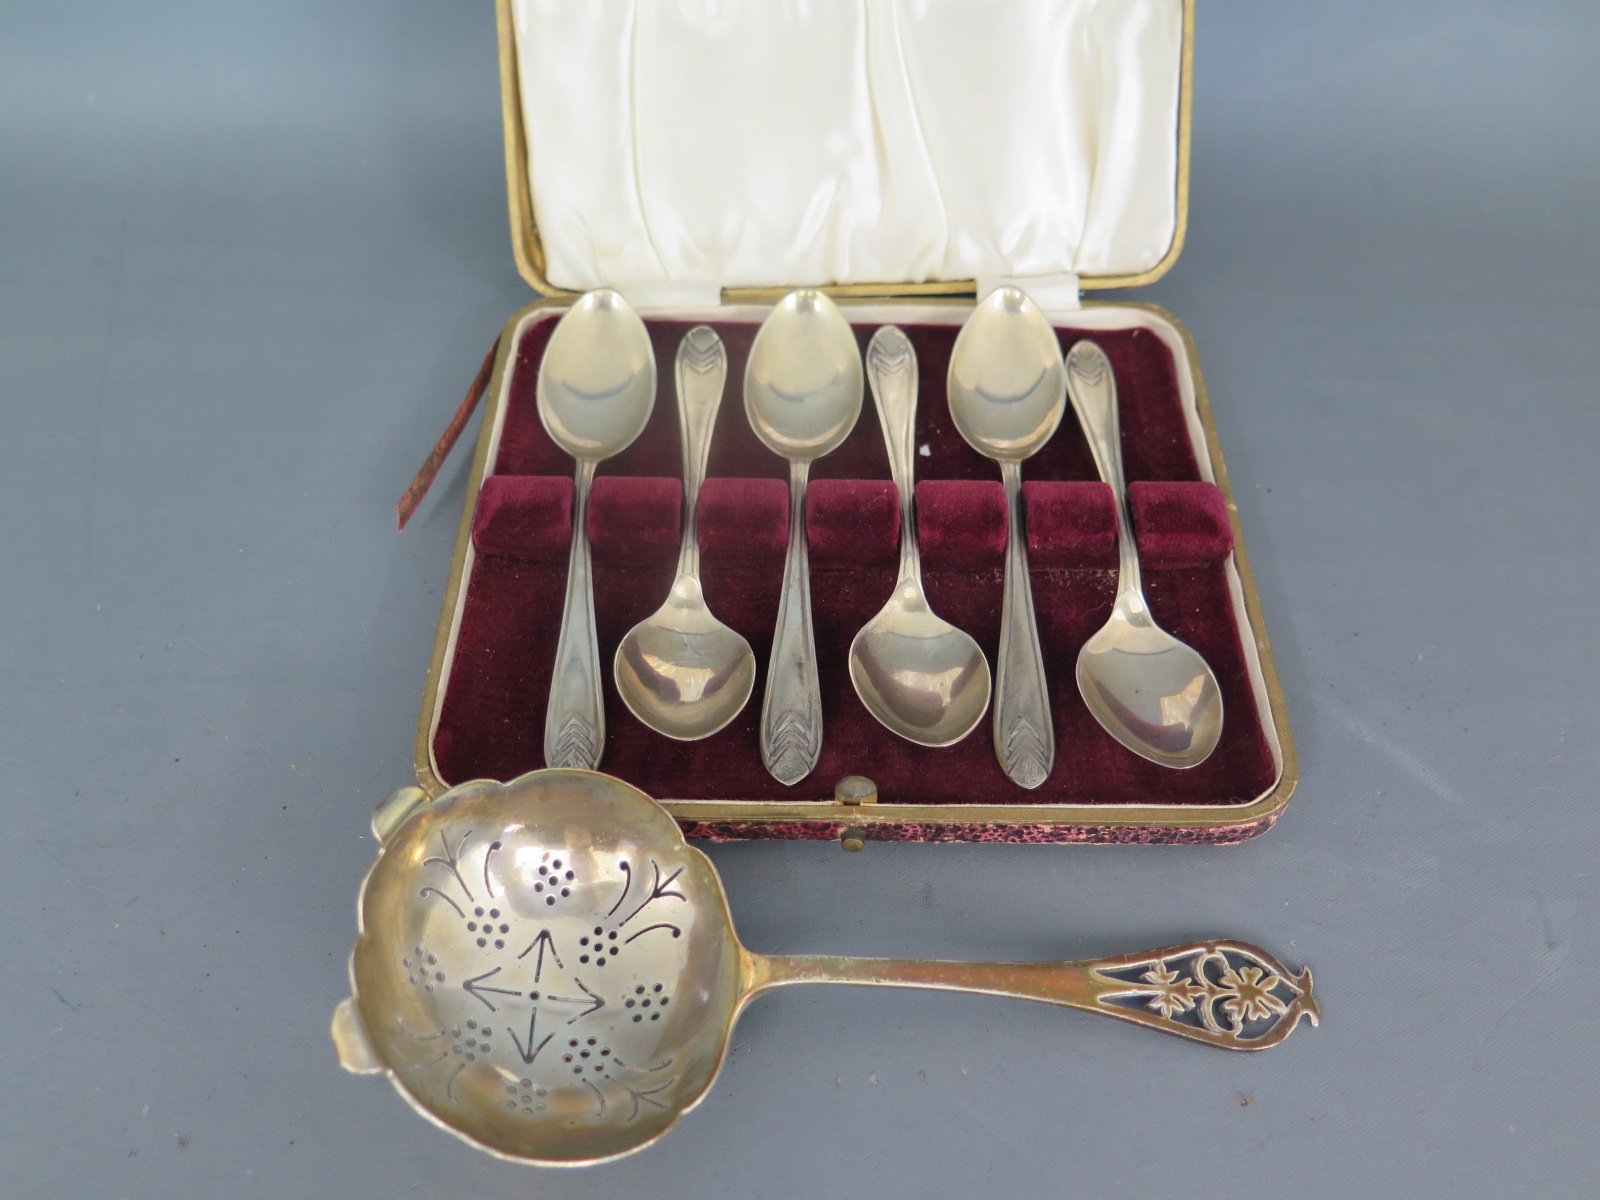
{"points": [[1093, 388], [575, 720], [1024, 734], [892, 370], [702, 371], [791, 709], [1228, 994]]}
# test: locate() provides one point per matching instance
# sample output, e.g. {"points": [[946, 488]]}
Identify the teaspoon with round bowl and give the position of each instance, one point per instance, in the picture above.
{"points": [[681, 671], [596, 387], [1154, 694], [802, 395], [547, 970], [1007, 395], [919, 675]]}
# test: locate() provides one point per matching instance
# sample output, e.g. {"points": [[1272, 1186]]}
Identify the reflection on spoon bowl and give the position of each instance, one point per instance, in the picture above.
{"points": [[1151, 692], [683, 672], [597, 379], [918, 674]]}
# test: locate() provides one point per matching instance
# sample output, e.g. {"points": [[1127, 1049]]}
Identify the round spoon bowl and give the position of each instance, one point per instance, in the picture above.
{"points": [[920, 676], [1151, 692], [683, 672], [802, 390]]}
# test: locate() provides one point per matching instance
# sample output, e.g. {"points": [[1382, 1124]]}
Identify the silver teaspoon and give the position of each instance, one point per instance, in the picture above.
{"points": [[681, 671], [802, 395], [1150, 691], [1007, 395], [597, 385], [919, 675], [548, 971]]}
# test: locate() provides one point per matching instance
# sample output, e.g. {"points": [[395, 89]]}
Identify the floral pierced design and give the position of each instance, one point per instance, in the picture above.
{"points": [[557, 1014], [1252, 998], [1175, 993], [1226, 993]]}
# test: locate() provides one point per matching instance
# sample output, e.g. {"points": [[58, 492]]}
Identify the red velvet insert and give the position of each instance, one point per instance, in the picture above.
{"points": [[1179, 524], [492, 716], [854, 522]]}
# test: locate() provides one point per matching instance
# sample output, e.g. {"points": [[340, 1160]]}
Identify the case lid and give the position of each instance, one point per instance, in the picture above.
{"points": [[681, 149]]}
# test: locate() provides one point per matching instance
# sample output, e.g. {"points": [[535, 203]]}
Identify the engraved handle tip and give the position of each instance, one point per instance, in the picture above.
{"points": [[575, 716], [889, 353], [575, 742], [791, 728], [1026, 753], [1088, 362], [791, 709], [1024, 730], [701, 350], [789, 761]]}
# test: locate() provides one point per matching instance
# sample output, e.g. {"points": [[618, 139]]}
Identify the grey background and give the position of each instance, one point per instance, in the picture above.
{"points": [[249, 257]]}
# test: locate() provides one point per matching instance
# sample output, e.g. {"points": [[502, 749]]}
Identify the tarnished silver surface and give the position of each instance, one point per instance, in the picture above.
{"points": [[597, 385], [547, 970], [1154, 694], [1007, 395], [681, 671], [802, 395], [920, 676]]}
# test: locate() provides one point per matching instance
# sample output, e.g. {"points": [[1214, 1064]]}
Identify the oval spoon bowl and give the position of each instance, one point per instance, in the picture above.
{"points": [[1006, 381], [597, 379], [802, 382]]}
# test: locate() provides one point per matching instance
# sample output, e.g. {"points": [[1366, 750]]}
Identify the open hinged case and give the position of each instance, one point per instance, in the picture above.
{"points": [[703, 158]]}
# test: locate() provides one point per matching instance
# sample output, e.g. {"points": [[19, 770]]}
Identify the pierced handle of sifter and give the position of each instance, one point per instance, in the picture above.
{"points": [[1227, 994]]}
